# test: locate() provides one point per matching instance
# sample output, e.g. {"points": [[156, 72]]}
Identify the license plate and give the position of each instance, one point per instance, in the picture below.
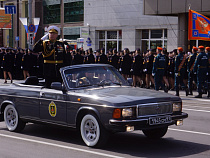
{"points": [[159, 120]]}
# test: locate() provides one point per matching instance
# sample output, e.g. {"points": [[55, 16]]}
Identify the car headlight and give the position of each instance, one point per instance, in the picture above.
{"points": [[177, 106], [127, 112]]}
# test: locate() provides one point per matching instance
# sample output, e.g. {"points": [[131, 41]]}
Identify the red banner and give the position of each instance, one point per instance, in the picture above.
{"points": [[198, 26], [5, 20]]}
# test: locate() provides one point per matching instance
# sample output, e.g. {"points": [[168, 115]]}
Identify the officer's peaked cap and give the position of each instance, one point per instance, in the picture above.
{"points": [[54, 29]]}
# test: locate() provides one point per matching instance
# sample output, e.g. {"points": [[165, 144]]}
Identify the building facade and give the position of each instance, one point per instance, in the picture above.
{"points": [[102, 23], [179, 8], [122, 24]]}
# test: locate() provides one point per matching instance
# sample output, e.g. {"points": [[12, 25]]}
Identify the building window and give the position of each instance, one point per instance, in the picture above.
{"points": [[74, 11], [151, 39], [51, 14], [110, 39]]}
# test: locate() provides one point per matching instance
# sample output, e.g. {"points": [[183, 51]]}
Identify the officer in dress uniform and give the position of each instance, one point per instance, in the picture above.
{"points": [[190, 65], [137, 67], [148, 67], [18, 64], [2, 52], [201, 67], [90, 57], [7, 65], [115, 59], [158, 70], [54, 54], [180, 66], [110, 56], [171, 65], [103, 57], [126, 63], [208, 74], [26, 63], [78, 58]]}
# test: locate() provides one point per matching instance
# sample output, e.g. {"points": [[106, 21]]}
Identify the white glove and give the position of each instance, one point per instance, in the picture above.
{"points": [[207, 73], [120, 69], [195, 73], [176, 74], [131, 70], [153, 74], [45, 37]]}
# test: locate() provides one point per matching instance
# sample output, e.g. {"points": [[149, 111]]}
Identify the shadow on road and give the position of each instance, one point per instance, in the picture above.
{"points": [[132, 144]]}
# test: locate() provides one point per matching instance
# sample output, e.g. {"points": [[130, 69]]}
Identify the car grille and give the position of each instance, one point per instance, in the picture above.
{"points": [[154, 109]]}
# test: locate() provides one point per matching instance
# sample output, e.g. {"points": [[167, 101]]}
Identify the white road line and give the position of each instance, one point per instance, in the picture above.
{"points": [[195, 110], [204, 100], [60, 146], [180, 130], [202, 107]]}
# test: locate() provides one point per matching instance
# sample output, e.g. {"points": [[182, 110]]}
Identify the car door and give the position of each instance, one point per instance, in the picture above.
{"points": [[53, 106]]}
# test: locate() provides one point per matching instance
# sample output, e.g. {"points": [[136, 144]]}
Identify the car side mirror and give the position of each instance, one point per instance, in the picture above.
{"points": [[130, 81], [57, 86]]}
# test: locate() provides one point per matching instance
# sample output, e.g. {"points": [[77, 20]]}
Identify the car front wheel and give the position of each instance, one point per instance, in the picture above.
{"points": [[92, 132], [155, 133], [12, 120]]}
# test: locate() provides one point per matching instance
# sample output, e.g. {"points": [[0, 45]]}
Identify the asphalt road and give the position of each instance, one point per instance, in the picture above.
{"points": [[190, 140]]}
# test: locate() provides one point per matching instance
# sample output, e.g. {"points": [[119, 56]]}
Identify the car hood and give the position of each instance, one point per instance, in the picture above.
{"points": [[125, 94]]}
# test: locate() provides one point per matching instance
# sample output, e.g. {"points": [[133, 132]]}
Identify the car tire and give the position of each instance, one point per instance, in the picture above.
{"points": [[155, 133], [12, 120], [92, 132]]}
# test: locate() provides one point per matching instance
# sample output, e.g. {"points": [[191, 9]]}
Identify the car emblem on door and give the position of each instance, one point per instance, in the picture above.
{"points": [[52, 109]]}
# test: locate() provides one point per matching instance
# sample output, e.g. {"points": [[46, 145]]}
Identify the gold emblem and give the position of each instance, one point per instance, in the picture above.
{"points": [[52, 109]]}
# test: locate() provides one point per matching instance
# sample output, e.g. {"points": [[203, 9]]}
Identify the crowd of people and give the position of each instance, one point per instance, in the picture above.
{"points": [[153, 69]]}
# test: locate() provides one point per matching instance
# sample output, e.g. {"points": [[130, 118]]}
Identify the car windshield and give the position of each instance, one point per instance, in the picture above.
{"points": [[93, 76]]}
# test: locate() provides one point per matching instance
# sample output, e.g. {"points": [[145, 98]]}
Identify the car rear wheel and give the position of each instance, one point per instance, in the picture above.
{"points": [[12, 120], [155, 133], [92, 132]]}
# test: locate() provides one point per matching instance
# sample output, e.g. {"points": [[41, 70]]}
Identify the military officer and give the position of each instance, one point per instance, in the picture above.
{"points": [[159, 65], [201, 67], [126, 63], [103, 57], [90, 57], [54, 54], [149, 65], [190, 65], [180, 66], [115, 59], [137, 67], [208, 74]]}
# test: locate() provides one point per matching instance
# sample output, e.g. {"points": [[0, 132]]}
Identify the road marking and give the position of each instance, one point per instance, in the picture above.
{"points": [[61, 146], [180, 130], [195, 110], [205, 100], [202, 107]]}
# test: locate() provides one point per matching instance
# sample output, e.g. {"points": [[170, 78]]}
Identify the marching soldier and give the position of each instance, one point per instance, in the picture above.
{"points": [[208, 73], [53, 53], [190, 65], [115, 59], [103, 57], [171, 65], [158, 71], [90, 57], [78, 58], [201, 67], [137, 67], [7, 65], [18, 64], [180, 66], [148, 68], [2, 52], [126, 64]]}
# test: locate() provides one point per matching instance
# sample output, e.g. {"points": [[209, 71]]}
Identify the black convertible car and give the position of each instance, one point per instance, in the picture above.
{"points": [[93, 98]]}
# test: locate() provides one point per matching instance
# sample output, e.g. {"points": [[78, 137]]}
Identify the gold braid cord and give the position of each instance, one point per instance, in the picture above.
{"points": [[47, 53]]}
